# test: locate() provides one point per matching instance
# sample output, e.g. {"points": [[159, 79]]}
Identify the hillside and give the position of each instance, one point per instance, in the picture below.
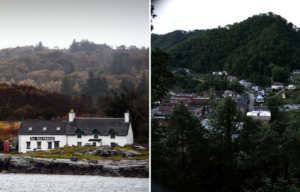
{"points": [[45, 68], [169, 40], [252, 49]]}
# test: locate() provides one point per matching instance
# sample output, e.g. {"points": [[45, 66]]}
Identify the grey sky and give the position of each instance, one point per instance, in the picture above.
{"points": [[57, 23], [207, 14]]}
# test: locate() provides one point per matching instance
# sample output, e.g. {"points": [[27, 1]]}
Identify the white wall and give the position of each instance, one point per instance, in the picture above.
{"points": [[130, 135], [106, 140], [44, 143]]}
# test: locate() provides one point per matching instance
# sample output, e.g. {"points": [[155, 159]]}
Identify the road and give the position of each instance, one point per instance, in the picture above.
{"points": [[251, 103], [280, 91]]}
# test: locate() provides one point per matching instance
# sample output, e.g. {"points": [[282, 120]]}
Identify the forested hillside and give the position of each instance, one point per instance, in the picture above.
{"points": [[252, 49], [169, 40], [91, 79], [44, 68]]}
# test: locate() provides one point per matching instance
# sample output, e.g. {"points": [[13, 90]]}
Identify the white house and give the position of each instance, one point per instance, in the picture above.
{"points": [[277, 85], [264, 116], [296, 71], [260, 99], [261, 92], [242, 82], [44, 135], [291, 86]]}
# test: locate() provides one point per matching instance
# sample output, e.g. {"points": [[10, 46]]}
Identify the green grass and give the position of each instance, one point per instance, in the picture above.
{"points": [[57, 155]]}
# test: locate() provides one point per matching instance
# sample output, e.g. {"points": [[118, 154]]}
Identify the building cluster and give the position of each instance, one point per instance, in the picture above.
{"points": [[45, 134], [199, 106], [219, 72]]}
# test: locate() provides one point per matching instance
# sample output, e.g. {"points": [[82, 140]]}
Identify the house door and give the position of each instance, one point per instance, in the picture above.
{"points": [[56, 144]]}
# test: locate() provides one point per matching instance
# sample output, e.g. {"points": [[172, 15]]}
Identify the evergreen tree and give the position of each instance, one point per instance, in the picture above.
{"points": [[177, 151], [127, 84], [74, 46], [66, 86], [143, 86], [89, 88], [160, 75], [118, 64]]}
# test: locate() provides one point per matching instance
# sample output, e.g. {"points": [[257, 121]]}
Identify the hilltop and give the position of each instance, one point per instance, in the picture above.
{"points": [[250, 50]]}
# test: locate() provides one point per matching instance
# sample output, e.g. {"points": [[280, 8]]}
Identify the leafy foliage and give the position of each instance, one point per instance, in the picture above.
{"points": [[249, 49]]}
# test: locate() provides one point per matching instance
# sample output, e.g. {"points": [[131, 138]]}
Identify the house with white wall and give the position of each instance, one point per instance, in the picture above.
{"points": [[45, 135], [277, 85], [260, 99]]}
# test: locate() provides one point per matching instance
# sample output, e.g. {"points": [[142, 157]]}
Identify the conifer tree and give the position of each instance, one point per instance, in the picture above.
{"points": [[66, 86], [143, 86]]}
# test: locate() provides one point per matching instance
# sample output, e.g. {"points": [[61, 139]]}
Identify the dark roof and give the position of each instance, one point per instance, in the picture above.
{"points": [[37, 127], [104, 125], [87, 125]]}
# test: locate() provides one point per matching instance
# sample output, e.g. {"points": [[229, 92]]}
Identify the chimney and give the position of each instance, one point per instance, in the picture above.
{"points": [[71, 116], [126, 116]]}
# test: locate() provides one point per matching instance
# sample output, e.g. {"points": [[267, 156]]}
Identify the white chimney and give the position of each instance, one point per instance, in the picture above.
{"points": [[71, 116], [126, 116]]}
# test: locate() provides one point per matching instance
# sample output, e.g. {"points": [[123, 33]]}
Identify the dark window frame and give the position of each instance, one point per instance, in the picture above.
{"points": [[79, 144], [79, 135], [112, 135], [49, 145], [39, 145], [28, 145], [96, 135]]}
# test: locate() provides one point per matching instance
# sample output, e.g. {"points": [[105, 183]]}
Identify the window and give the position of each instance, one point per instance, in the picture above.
{"points": [[39, 145], [112, 144], [44, 128], [79, 135], [112, 135], [79, 144], [94, 144], [56, 144], [28, 145], [49, 145], [30, 129], [96, 135], [57, 128]]}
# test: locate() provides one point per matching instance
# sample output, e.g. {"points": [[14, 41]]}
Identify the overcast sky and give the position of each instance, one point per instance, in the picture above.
{"points": [[58, 22], [208, 14]]}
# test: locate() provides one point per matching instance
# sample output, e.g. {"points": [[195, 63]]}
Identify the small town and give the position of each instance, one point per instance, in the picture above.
{"points": [[250, 102]]}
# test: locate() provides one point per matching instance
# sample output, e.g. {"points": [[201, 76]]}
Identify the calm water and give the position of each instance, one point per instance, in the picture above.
{"points": [[70, 183]]}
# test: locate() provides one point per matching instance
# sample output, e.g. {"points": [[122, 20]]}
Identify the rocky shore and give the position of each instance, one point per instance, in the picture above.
{"points": [[110, 168]]}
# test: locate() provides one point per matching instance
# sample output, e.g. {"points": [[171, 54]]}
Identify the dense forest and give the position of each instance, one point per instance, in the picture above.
{"points": [[45, 68], [91, 79], [253, 49], [19, 102], [171, 39]]}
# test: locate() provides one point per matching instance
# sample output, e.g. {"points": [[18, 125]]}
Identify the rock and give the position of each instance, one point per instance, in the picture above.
{"points": [[140, 148], [124, 153], [123, 168], [134, 153], [47, 153], [112, 152], [74, 158], [93, 161], [62, 151], [77, 154], [91, 152]]}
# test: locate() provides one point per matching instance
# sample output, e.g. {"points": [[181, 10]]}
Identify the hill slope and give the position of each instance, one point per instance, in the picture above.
{"points": [[251, 49]]}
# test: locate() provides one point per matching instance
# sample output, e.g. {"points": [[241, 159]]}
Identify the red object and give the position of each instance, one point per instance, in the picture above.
{"points": [[6, 146]]}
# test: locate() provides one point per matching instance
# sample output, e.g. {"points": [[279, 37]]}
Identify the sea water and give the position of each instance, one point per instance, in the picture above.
{"points": [[17, 182]]}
